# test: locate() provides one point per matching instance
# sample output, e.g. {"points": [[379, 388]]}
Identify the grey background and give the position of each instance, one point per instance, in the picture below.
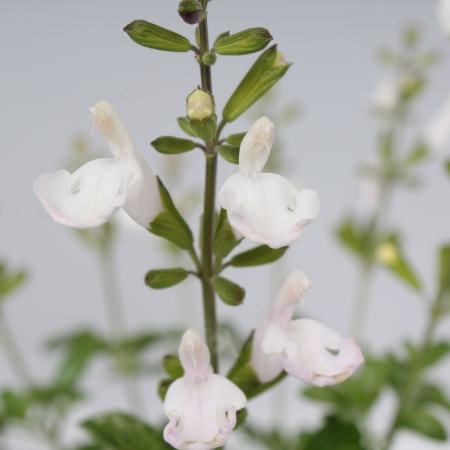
{"points": [[60, 57]]}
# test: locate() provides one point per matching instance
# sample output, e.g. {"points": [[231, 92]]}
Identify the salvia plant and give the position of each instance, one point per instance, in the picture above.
{"points": [[203, 403]]}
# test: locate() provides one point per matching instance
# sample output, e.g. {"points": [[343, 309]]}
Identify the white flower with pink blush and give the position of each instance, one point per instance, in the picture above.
{"points": [[265, 207], [201, 405], [89, 196], [304, 348]]}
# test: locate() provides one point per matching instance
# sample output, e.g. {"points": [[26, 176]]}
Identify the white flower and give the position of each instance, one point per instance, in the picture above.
{"points": [[386, 96], [303, 348], [437, 130], [444, 16], [89, 196], [265, 207], [201, 406]]}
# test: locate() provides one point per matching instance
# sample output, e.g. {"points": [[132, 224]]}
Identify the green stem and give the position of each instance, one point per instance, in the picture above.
{"points": [[116, 320], [13, 353], [209, 301]]}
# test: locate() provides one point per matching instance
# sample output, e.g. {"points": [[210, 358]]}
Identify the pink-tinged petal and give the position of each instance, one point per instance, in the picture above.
{"points": [[292, 291], [256, 146], [194, 356], [89, 196], [201, 406], [267, 208], [318, 355], [267, 366]]}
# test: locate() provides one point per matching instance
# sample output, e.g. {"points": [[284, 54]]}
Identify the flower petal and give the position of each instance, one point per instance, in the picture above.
{"points": [[89, 196], [256, 146], [194, 356], [318, 355], [105, 119], [204, 412], [267, 208]]}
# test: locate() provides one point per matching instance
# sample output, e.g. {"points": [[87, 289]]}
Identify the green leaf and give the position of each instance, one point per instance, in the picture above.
{"points": [[172, 366], [185, 126], [229, 292], [229, 153], [13, 405], [352, 237], [10, 280], [170, 145], [389, 254], [423, 422], [164, 278], [235, 139], [153, 36], [170, 224], [224, 238], [264, 73], [418, 154], [118, 431], [163, 387], [447, 167], [435, 352], [257, 256], [335, 434], [432, 394], [242, 43]]}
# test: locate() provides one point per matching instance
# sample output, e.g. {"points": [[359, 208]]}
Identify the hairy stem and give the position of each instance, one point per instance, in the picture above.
{"points": [[209, 301], [13, 353], [115, 316]]}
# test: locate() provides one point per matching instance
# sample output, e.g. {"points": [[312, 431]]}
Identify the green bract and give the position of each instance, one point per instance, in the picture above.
{"points": [[264, 73], [247, 41], [153, 36]]}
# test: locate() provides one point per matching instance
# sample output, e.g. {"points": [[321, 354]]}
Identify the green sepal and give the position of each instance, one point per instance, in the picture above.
{"points": [[171, 145], [257, 256], [164, 278], [185, 125], [235, 139], [205, 129], [153, 36], [247, 41], [229, 292], [444, 272], [229, 153], [259, 79], [170, 224]]}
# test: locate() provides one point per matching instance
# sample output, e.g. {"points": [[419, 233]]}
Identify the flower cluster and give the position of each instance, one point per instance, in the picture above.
{"points": [[201, 406]]}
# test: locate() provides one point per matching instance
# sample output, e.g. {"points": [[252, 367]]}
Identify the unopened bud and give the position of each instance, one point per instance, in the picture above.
{"points": [[190, 11], [200, 105], [387, 253], [209, 58]]}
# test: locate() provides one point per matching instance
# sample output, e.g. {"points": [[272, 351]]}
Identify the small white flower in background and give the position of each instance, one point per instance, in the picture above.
{"points": [[265, 207], [201, 406], [444, 16], [303, 348], [89, 196], [437, 130], [386, 96]]}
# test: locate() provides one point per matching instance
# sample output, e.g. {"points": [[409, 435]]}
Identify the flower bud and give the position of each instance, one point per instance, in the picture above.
{"points": [[200, 105], [209, 58], [190, 11]]}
